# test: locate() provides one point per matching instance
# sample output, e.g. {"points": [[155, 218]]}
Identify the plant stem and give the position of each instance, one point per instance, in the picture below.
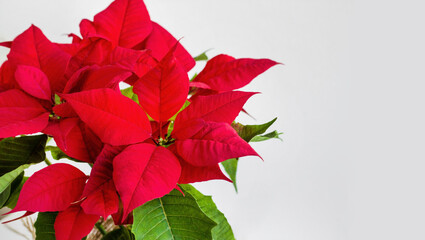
{"points": [[100, 228], [47, 162]]}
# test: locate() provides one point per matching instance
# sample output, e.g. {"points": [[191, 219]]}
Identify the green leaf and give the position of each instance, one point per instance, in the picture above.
{"points": [[222, 231], [128, 92], [173, 216], [57, 153], [9, 182], [202, 57], [58, 100], [267, 136], [192, 78], [119, 234], [13, 199], [18, 151], [247, 132], [231, 167], [44, 226]]}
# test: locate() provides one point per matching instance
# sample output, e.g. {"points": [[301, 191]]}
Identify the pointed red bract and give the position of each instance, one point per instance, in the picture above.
{"points": [[116, 119], [51, 189], [95, 77], [75, 139], [102, 198], [89, 52], [103, 202], [7, 76], [160, 41], [7, 44], [64, 110], [125, 23], [74, 224], [192, 174], [223, 107], [20, 114], [33, 81], [163, 90], [34, 49], [26, 214], [143, 172], [225, 73], [214, 143]]}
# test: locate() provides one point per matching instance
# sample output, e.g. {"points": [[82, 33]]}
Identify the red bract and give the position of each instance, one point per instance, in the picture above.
{"points": [[160, 41], [51, 189], [125, 23], [225, 73], [32, 48], [114, 118], [71, 92], [163, 90], [190, 173], [33, 81], [75, 139], [211, 144], [102, 198], [74, 223], [223, 107], [141, 178], [20, 114]]}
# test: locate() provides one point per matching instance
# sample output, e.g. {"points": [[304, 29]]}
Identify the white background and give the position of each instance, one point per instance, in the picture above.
{"points": [[350, 101]]}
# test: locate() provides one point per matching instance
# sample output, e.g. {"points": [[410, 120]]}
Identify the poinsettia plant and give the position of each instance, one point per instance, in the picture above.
{"points": [[145, 143]]}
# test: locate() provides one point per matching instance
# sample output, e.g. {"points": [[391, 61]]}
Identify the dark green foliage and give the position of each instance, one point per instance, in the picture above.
{"points": [[18, 151]]}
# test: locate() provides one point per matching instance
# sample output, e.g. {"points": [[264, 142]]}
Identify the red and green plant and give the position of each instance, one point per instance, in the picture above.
{"points": [[145, 143]]}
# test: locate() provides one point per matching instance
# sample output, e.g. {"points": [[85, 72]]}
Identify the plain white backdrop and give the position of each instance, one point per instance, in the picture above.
{"points": [[349, 99]]}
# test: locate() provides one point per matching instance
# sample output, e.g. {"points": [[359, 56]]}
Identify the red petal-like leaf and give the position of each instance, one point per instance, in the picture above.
{"points": [[223, 107], [51, 189], [214, 143], [64, 110], [7, 76], [192, 174], [116, 119], [90, 52], [75, 38], [160, 41], [125, 23], [34, 49], [87, 28], [74, 224], [103, 202], [199, 85], [125, 58], [20, 114], [102, 198], [26, 214], [75, 139], [143, 172], [7, 44], [33, 81], [163, 90], [95, 77], [225, 73]]}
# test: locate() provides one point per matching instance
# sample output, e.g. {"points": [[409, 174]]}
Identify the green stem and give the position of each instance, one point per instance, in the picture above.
{"points": [[47, 162], [100, 228]]}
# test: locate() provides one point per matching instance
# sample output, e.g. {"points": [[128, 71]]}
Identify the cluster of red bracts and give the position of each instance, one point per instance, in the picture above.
{"points": [[71, 92]]}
